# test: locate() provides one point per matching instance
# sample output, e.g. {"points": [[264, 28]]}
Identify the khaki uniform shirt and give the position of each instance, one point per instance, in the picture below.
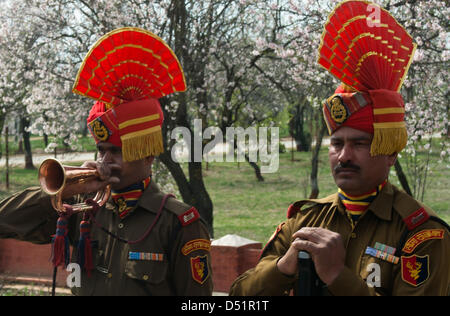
{"points": [[175, 256], [423, 249]]}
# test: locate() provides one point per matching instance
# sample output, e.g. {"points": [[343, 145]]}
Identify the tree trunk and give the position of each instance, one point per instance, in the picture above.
{"points": [[296, 129], [45, 133], [200, 196], [45, 140], [25, 123], [193, 192], [315, 162], [84, 131], [256, 169], [2, 122], [7, 157], [254, 165]]}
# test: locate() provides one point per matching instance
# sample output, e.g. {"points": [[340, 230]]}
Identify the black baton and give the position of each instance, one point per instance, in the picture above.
{"points": [[309, 283]]}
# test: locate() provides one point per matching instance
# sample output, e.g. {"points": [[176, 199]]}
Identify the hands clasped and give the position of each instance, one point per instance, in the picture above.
{"points": [[325, 247]]}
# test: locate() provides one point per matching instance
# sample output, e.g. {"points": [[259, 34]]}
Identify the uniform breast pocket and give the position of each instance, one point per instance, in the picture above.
{"points": [[152, 272], [377, 273]]}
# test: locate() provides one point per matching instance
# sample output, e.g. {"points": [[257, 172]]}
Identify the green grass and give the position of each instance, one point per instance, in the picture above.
{"points": [[19, 179], [253, 209], [83, 144], [30, 289]]}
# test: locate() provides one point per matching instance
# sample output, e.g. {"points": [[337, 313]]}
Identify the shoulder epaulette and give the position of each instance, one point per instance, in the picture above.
{"points": [[297, 206], [186, 214], [153, 199], [413, 213]]}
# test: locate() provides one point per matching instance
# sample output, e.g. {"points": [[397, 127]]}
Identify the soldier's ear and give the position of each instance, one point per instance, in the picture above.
{"points": [[149, 159]]}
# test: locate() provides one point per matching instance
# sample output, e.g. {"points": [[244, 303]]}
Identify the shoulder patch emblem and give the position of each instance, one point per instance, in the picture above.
{"points": [[199, 268], [415, 269], [421, 237], [188, 217], [196, 244]]}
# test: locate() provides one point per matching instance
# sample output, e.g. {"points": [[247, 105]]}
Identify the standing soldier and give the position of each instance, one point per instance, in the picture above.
{"points": [[141, 241], [369, 238]]}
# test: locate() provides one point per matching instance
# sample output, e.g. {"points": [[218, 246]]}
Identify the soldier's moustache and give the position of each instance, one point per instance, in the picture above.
{"points": [[346, 165]]}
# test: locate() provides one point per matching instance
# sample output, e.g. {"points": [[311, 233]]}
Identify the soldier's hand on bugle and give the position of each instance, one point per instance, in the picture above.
{"points": [[108, 174]]}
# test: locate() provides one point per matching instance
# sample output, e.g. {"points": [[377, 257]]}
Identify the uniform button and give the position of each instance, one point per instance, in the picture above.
{"points": [[120, 225], [353, 235], [145, 277]]}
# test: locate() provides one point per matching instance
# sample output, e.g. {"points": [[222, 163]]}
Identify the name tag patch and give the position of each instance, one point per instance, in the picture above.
{"points": [[188, 217], [196, 244], [421, 237]]}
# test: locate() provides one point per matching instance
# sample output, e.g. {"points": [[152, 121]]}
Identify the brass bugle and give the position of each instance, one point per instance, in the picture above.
{"points": [[55, 178]]}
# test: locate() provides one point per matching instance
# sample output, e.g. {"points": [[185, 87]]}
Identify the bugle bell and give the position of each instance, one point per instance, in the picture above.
{"points": [[55, 178]]}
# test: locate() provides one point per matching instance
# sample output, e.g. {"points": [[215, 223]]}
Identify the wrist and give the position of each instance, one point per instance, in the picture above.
{"points": [[285, 268], [332, 275], [348, 283]]}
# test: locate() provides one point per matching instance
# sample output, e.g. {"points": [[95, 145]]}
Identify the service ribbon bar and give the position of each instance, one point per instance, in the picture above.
{"points": [[146, 256], [382, 255], [385, 248]]}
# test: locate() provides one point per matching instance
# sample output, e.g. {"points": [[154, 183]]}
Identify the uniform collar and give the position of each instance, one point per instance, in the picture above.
{"points": [[127, 199], [333, 199], [380, 207], [151, 198]]}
